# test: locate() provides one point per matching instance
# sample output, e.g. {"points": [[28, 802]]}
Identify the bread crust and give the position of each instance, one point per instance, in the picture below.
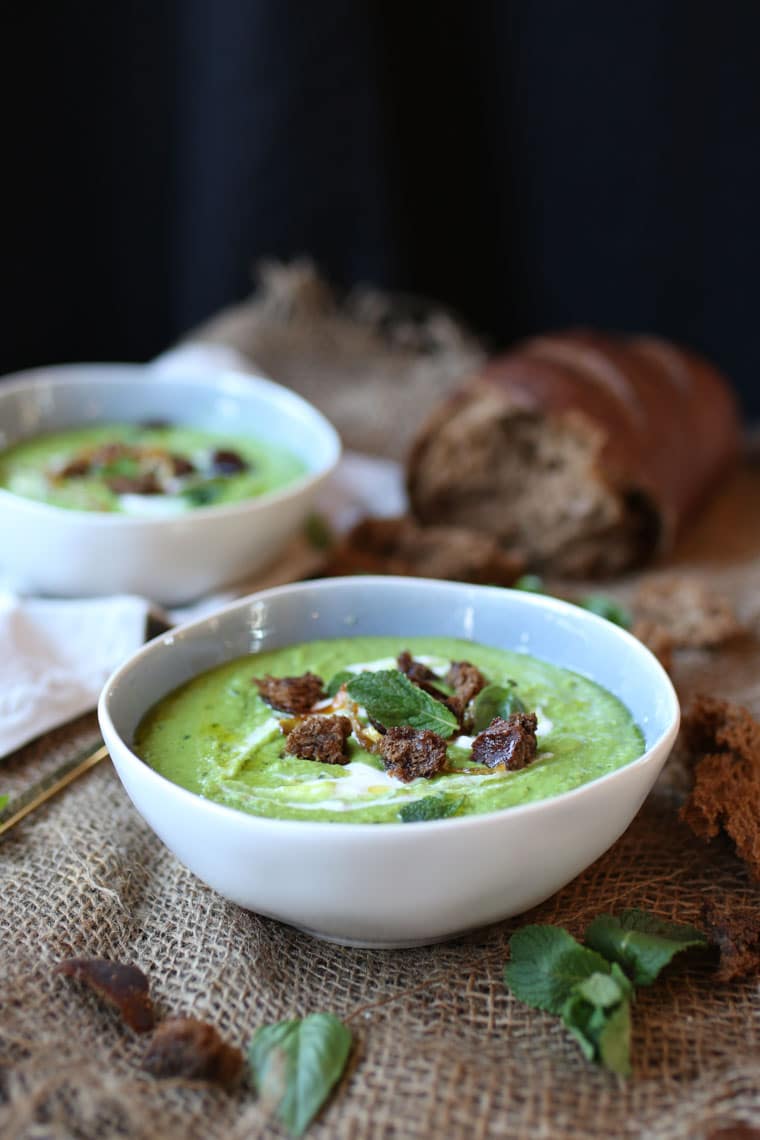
{"points": [[643, 427]]}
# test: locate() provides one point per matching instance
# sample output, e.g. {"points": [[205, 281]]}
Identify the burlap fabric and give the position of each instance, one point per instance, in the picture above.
{"points": [[441, 1049]]}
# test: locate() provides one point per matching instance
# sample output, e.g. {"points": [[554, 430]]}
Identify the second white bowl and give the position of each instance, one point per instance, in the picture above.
{"points": [[51, 550]]}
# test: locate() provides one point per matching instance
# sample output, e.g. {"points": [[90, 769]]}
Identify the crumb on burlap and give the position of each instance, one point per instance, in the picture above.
{"points": [[722, 740], [192, 1049], [735, 931], [657, 639], [402, 546], [121, 984], [685, 610]]}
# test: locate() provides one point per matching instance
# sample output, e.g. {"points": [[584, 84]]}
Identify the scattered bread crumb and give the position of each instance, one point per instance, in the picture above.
{"points": [[722, 740], [684, 610], [656, 638], [734, 930], [401, 546]]}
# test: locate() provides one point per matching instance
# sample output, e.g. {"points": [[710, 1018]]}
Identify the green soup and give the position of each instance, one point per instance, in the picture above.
{"points": [[151, 470], [217, 737]]}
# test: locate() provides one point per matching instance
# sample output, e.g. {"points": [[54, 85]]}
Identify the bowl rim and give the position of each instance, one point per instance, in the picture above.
{"points": [[223, 812], [59, 375]]}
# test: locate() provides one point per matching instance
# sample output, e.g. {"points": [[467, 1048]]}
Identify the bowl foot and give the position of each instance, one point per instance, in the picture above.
{"points": [[383, 944]]}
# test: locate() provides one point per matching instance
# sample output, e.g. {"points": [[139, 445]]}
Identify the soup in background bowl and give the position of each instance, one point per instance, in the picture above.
{"points": [[154, 534], [397, 882]]}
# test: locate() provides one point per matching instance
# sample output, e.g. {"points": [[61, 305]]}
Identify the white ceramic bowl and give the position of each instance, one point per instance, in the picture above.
{"points": [[407, 883], [50, 550]]}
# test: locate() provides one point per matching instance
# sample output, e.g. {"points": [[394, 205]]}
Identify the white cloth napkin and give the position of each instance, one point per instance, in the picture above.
{"points": [[55, 655]]}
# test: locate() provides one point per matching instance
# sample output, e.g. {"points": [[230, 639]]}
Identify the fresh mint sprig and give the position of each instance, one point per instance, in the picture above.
{"points": [[545, 965], [591, 986], [391, 699]]}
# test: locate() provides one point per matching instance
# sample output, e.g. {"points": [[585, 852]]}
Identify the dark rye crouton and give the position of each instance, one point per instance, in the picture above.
{"points": [[145, 483], [320, 738], [401, 546], [420, 676], [466, 680], [409, 754], [723, 740], [294, 695], [414, 670], [510, 742]]}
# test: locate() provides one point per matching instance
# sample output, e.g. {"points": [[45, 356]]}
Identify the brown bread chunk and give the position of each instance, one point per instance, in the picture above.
{"points": [[414, 670], [686, 610], [228, 462], [723, 740], [320, 738], [401, 546], [581, 452], [510, 742], [186, 1047], [466, 680], [409, 754], [657, 639], [421, 676], [145, 484], [294, 695], [736, 932], [179, 465], [76, 468]]}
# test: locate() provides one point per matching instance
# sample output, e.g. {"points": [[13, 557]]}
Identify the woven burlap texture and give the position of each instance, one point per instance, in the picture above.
{"points": [[441, 1049]]}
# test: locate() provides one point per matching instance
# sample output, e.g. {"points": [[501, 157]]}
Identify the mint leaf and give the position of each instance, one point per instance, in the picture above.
{"points": [[604, 1034], [391, 699], [335, 682], [604, 990], [597, 1013], [606, 608], [430, 807], [531, 583], [318, 532], [3, 802], [614, 1041], [642, 943], [294, 1065], [494, 700], [546, 963], [202, 494]]}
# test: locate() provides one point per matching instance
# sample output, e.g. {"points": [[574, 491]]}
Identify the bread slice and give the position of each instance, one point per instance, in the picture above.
{"points": [[581, 453]]}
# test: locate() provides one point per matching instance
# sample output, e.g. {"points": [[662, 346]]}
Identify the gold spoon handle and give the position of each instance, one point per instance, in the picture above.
{"points": [[48, 787]]}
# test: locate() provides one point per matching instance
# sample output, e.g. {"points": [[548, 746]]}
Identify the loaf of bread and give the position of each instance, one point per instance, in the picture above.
{"points": [[582, 452]]}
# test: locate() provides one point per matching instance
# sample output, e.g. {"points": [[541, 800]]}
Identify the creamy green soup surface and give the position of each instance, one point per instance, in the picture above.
{"points": [[159, 469], [216, 736]]}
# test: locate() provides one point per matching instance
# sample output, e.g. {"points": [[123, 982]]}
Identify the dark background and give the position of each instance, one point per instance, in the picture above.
{"points": [[533, 163]]}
